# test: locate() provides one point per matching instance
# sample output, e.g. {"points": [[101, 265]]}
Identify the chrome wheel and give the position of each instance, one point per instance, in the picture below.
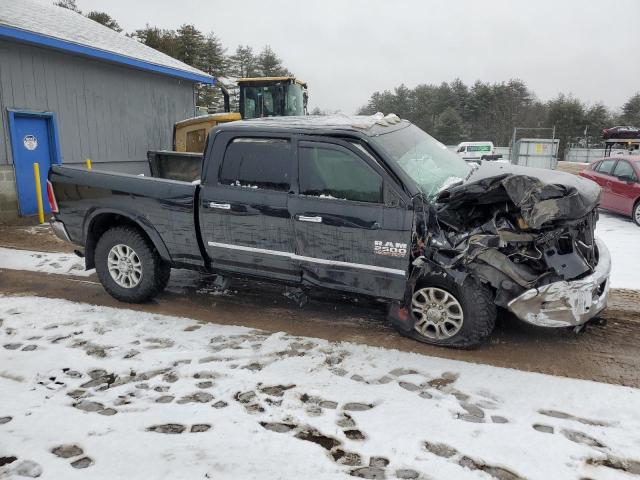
{"points": [[636, 214], [124, 266], [438, 313]]}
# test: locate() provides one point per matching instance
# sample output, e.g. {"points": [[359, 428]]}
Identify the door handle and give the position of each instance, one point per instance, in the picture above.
{"points": [[221, 206], [303, 218]]}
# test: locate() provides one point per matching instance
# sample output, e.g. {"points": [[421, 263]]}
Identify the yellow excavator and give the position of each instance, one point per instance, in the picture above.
{"points": [[259, 97]]}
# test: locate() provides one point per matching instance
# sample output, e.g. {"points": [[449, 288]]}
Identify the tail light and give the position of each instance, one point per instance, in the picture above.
{"points": [[53, 204]]}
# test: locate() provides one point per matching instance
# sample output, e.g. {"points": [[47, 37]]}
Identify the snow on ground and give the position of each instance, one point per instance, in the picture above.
{"points": [[63, 263], [100, 393], [622, 236]]}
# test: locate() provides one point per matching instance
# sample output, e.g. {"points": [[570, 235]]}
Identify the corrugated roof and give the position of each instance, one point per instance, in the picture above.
{"points": [[63, 29]]}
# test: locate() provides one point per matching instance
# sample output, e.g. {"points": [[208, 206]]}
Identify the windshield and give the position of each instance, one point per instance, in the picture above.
{"points": [[262, 101], [424, 159]]}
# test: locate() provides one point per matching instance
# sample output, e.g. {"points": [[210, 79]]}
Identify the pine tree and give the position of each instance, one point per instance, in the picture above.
{"points": [[631, 111], [68, 4], [190, 46], [270, 65], [243, 62], [449, 128], [104, 19], [214, 58], [164, 41], [596, 119]]}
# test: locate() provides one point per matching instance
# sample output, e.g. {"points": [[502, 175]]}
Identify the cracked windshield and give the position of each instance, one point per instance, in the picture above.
{"points": [[424, 159]]}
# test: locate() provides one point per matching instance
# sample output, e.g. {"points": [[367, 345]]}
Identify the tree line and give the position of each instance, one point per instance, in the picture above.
{"points": [[455, 112], [204, 51]]}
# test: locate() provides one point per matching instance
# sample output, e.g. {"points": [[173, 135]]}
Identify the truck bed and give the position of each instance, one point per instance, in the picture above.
{"points": [[164, 207], [183, 166]]}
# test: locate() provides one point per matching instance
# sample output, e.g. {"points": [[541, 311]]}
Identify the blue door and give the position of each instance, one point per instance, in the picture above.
{"points": [[32, 138]]}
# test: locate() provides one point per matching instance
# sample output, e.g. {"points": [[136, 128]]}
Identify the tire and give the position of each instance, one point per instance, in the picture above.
{"points": [[149, 274], [473, 300], [635, 215]]}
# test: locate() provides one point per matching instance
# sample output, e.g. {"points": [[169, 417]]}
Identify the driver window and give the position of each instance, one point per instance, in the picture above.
{"points": [[606, 166], [337, 174]]}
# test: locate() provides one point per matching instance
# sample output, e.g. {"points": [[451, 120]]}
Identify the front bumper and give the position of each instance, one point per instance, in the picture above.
{"points": [[59, 229], [567, 303]]}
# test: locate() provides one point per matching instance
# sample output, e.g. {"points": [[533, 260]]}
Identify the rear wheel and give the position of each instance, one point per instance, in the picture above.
{"points": [[129, 266], [636, 213], [452, 315]]}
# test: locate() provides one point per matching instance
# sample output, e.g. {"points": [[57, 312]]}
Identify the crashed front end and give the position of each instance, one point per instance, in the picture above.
{"points": [[529, 233]]}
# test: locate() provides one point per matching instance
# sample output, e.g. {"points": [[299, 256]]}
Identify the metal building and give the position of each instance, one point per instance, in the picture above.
{"points": [[72, 89]]}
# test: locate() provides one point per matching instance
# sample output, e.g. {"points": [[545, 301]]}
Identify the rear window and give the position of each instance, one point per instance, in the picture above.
{"points": [[624, 169], [257, 163], [605, 166]]}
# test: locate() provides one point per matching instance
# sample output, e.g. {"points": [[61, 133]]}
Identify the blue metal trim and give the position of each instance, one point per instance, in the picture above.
{"points": [[54, 139], [64, 45]]}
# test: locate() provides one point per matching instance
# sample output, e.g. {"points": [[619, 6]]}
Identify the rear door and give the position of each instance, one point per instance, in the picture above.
{"points": [[244, 220], [352, 228]]}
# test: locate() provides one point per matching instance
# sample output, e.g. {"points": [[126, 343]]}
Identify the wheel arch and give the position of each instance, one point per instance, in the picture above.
{"points": [[100, 221]]}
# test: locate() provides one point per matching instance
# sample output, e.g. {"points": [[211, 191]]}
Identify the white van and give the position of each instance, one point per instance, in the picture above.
{"points": [[476, 151]]}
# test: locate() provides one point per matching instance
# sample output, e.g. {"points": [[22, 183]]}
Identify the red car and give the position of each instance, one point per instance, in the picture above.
{"points": [[619, 179], [621, 132]]}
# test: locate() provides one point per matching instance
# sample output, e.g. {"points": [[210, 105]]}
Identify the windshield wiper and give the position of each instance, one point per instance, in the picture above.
{"points": [[474, 166]]}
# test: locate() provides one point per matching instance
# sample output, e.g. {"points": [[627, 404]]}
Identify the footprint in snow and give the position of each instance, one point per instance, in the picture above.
{"points": [[568, 416], [178, 428], [70, 452]]}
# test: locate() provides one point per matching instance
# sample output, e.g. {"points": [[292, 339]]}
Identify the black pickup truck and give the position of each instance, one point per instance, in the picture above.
{"points": [[363, 205]]}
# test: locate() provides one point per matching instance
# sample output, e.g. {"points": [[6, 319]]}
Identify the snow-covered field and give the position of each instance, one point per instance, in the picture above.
{"points": [[93, 392], [621, 235]]}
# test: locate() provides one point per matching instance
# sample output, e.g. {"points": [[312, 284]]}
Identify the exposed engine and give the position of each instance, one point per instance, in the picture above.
{"points": [[516, 229]]}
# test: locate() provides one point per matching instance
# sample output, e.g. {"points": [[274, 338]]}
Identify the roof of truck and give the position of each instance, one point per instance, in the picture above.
{"points": [[370, 125]]}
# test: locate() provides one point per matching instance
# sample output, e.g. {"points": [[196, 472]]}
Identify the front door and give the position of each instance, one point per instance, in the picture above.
{"points": [[246, 227], [347, 236], [602, 176], [32, 140]]}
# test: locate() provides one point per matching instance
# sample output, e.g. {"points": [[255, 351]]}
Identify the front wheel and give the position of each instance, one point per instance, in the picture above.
{"points": [[452, 315], [128, 265], [636, 213]]}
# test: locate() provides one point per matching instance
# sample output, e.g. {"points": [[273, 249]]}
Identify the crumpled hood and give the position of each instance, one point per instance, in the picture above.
{"points": [[541, 195]]}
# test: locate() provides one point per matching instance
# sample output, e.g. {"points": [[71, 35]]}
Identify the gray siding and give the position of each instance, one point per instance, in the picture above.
{"points": [[105, 112]]}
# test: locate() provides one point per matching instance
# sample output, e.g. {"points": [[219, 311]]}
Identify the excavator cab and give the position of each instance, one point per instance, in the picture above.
{"points": [[272, 97], [259, 97]]}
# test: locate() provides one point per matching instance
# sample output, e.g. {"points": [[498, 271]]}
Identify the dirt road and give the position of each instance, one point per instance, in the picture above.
{"points": [[606, 354]]}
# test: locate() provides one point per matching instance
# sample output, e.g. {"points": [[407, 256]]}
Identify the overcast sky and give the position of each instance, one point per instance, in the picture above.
{"points": [[347, 49]]}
